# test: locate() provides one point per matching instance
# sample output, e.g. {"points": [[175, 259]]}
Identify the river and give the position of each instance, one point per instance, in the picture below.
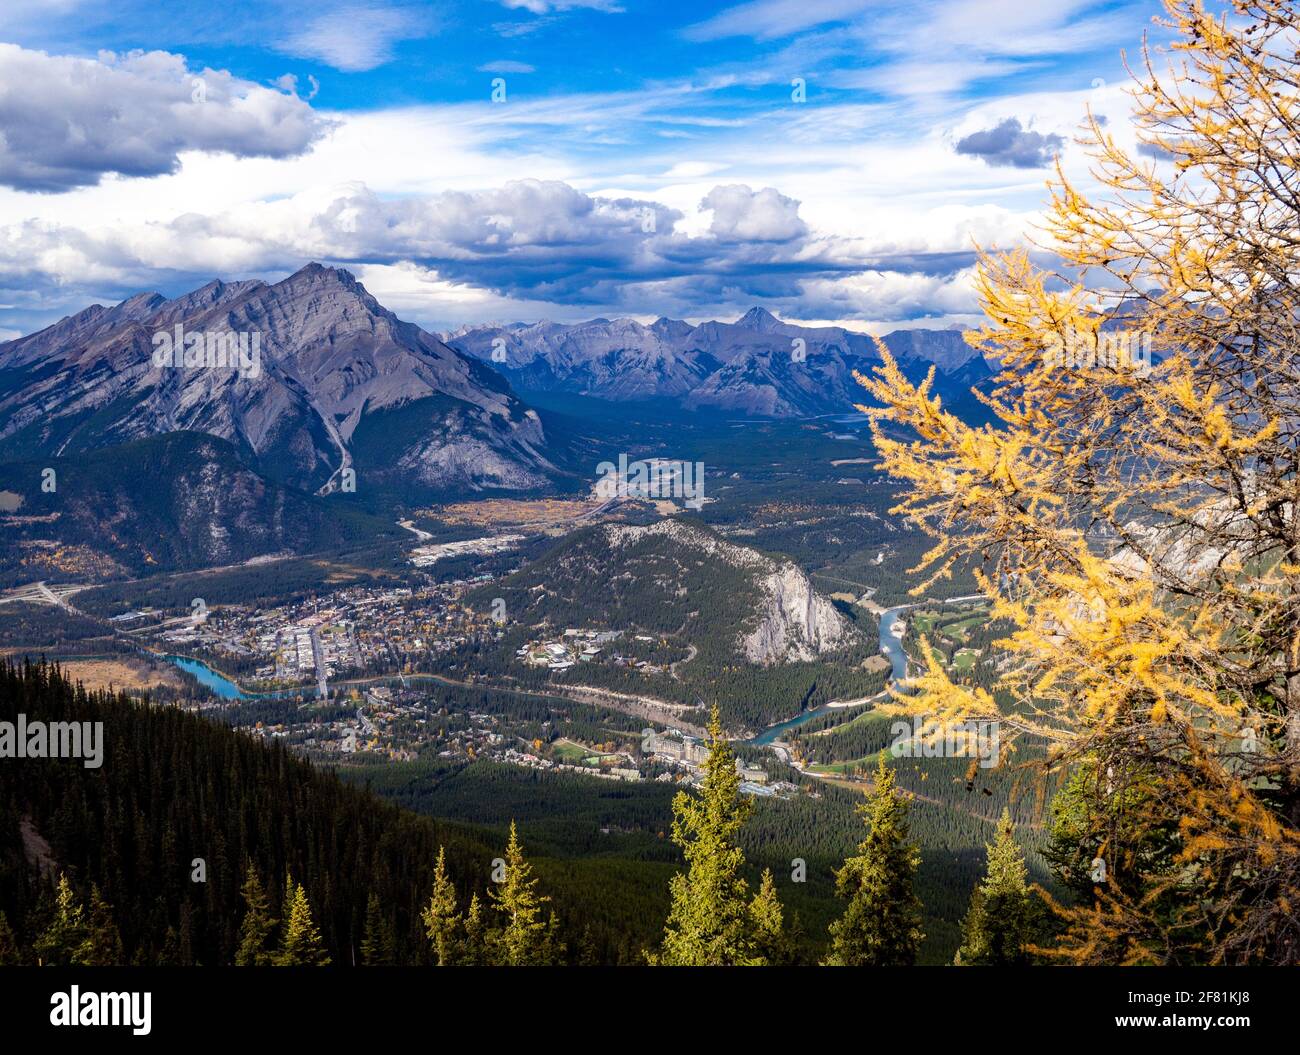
{"points": [[891, 644], [220, 685]]}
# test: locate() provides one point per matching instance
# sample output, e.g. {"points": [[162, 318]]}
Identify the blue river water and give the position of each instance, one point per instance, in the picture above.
{"points": [[215, 683], [221, 686], [890, 644]]}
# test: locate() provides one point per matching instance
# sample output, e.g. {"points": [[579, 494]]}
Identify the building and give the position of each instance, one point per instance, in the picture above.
{"points": [[683, 748]]}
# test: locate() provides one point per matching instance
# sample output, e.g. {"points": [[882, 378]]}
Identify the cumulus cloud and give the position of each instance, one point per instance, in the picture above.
{"points": [[741, 214], [528, 242], [1009, 145], [66, 122]]}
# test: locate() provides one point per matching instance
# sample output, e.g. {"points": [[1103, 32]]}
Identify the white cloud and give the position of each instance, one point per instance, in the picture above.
{"points": [[66, 122], [852, 210], [767, 19], [506, 66], [19, 10], [355, 37], [692, 170], [542, 7], [741, 214]]}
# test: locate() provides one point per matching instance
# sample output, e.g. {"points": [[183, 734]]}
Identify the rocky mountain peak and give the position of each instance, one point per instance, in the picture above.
{"points": [[759, 319], [329, 357]]}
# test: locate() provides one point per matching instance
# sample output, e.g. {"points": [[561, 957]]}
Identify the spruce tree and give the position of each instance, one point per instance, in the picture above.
{"points": [[524, 939], [441, 920], [588, 954], [258, 925], [882, 925], [474, 952], [103, 944], [771, 937], [999, 926], [377, 943], [63, 942], [302, 944], [709, 922]]}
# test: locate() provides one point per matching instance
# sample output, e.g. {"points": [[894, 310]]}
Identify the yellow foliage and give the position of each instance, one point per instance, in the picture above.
{"points": [[1138, 529]]}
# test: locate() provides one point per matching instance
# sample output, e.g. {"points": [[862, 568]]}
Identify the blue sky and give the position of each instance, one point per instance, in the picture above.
{"points": [[833, 160]]}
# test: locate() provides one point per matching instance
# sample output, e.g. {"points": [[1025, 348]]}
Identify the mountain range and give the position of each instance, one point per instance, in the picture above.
{"points": [[334, 389], [273, 398], [331, 381], [757, 365]]}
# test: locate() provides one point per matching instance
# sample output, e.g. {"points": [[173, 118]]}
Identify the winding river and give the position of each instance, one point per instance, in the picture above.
{"points": [[221, 686], [891, 645]]}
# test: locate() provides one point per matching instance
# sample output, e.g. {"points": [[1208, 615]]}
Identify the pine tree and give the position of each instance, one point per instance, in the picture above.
{"points": [[524, 939], [709, 922], [103, 944], [882, 925], [377, 943], [771, 937], [258, 925], [63, 942], [301, 945], [10, 953], [588, 954], [441, 919], [999, 926], [474, 952]]}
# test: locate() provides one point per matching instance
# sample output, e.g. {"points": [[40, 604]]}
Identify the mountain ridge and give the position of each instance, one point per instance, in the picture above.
{"points": [[330, 356], [758, 365], [181, 500]]}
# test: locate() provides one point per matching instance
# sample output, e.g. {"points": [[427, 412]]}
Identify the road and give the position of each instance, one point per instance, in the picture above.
{"points": [[42, 593], [420, 534], [318, 657]]}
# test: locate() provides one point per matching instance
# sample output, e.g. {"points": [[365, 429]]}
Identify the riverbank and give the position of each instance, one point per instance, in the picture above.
{"points": [[891, 646]]}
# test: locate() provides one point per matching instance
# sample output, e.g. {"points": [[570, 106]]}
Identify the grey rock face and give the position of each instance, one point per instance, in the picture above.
{"points": [[792, 623], [332, 360], [757, 365]]}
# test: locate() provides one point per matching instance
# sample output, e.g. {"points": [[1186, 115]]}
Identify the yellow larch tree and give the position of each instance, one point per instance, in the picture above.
{"points": [[1135, 525]]}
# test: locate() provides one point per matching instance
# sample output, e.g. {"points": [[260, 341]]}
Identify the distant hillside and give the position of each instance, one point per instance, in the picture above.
{"points": [[737, 625], [757, 365], [173, 788], [179, 501]]}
